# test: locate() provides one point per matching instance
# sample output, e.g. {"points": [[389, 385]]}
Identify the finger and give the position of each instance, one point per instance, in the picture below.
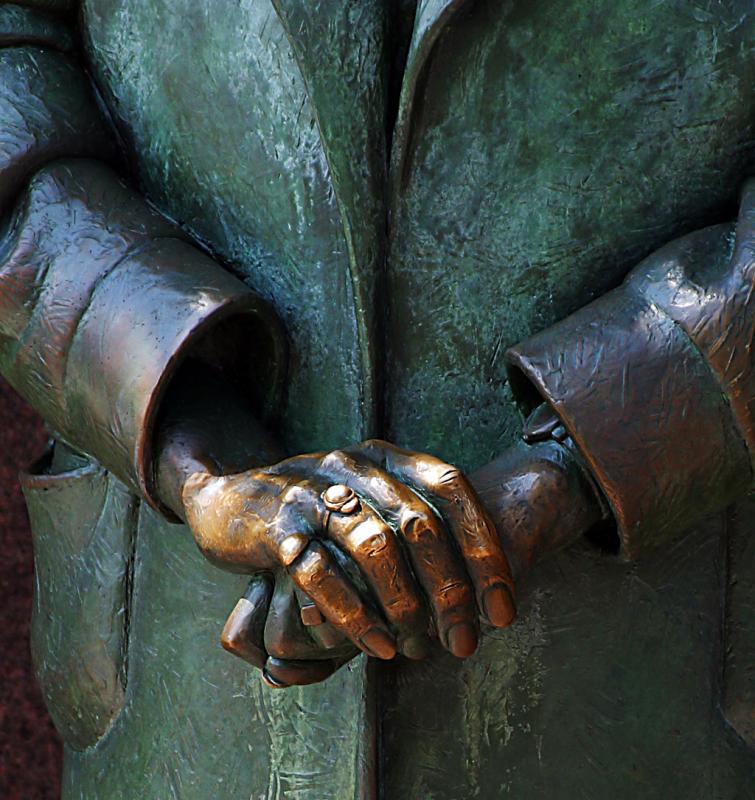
{"points": [[329, 639], [316, 572], [374, 547], [281, 673], [468, 520], [286, 636], [243, 633]]}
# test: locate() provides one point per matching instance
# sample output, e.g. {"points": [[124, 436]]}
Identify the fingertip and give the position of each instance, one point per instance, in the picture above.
{"points": [[415, 647], [292, 547], [462, 639], [378, 643], [499, 606], [242, 633]]}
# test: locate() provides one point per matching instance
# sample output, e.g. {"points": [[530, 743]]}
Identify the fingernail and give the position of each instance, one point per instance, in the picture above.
{"points": [[311, 616], [416, 647], [271, 682], [462, 639], [379, 643], [292, 547], [282, 673], [499, 605]]}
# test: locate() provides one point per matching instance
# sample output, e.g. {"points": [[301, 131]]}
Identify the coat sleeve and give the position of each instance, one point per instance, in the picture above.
{"points": [[655, 382], [101, 297]]}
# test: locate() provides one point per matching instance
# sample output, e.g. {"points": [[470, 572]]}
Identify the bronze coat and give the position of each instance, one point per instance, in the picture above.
{"points": [[539, 153]]}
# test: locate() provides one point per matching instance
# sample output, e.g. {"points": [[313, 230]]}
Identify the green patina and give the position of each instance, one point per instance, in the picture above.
{"points": [[542, 150]]}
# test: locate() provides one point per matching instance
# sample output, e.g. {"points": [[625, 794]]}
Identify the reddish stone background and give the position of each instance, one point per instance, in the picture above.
{"points": [[30, 750]]}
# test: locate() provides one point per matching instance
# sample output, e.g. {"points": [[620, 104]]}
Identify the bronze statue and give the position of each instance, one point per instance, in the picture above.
{"points": [[378, 299]]}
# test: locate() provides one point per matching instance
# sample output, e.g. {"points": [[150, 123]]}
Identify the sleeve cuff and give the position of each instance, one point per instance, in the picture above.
{"points": [[102, 301], [645, 409], [158, 306]]}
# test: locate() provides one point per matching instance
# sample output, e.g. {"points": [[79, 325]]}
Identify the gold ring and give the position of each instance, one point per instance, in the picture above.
{"points": [[341, 499]]}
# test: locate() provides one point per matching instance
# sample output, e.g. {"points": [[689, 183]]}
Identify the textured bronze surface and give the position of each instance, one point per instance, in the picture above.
{"points": [[538, 152], [80, 660], [653, 381], [75, 340], [285, 516], [539, 498], [340, 498]]}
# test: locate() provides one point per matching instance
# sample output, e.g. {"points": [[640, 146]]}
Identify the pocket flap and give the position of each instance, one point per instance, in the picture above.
{"points": [[83, 523]]}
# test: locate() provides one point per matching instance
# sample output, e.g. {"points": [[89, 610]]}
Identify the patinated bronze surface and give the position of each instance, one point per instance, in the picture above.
{"points": [[387, 301], [540, 500]]}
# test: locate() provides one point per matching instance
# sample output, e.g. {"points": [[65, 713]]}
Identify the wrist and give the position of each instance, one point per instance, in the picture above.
{"points": [[180, 456], [206, 427], [540, 499]]}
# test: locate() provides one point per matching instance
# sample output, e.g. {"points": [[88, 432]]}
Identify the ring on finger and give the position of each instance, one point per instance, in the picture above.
{"points": [[341, 499]]}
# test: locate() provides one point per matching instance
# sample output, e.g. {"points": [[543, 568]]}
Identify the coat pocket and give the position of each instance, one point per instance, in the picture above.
{"points": [[83, 524], [739, 664]]}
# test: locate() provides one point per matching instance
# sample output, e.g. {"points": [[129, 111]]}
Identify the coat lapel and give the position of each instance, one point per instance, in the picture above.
{"points": [[342, 56], [431, 20], [340, 50]]}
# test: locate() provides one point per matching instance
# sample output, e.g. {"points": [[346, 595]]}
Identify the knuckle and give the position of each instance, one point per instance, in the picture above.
{"points": [[292, 548], [442, 477], [418, 527], [295, 495], [482, 562], [455, 593], [336, 459], [373, 545], [310, 568], [405, 609], [374, 443], [370, 538], [476, 537]]}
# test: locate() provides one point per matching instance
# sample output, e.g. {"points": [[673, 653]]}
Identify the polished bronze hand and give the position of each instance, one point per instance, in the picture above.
{"points": [[540, 498], [272, 627], [370, 547], [410, 524]]}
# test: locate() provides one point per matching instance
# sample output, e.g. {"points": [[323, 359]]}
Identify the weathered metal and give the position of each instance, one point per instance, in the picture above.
{"points": [[410, 195]]}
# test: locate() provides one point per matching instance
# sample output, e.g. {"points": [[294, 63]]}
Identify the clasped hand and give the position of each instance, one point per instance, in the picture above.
{"points": [[390, 547]]}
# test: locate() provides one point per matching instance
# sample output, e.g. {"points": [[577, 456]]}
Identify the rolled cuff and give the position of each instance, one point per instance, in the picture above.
{"points": [[159, 305], [645, 410]]}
